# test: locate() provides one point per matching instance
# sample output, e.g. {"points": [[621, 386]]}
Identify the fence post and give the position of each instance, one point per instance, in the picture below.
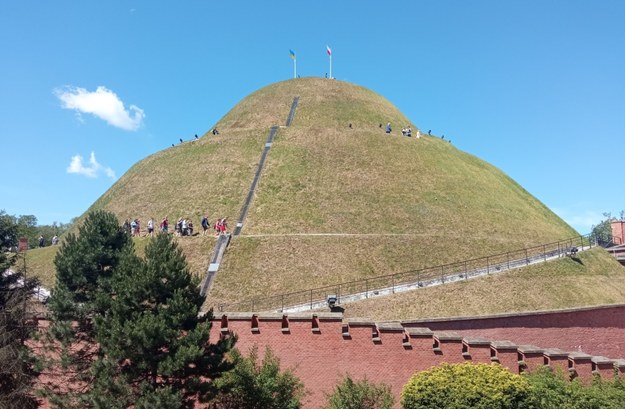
{"points": [[366, 288], [393, 283], [466, 272], [311, 307], [508, 258], [418, 277], [527, 260], [442, 274], [487, 265], [545, 252]]}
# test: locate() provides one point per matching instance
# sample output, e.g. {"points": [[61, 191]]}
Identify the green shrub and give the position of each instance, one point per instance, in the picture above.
{"points": [[466, 386], [254, 384], [551, 390], [360, 395]]}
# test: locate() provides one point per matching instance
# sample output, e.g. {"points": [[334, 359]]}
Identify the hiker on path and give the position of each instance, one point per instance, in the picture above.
{"points": [[151, 227], [164, 225], [388, 128], [205, 225]]}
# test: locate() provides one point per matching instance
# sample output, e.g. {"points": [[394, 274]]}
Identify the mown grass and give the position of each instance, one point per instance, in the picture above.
{"points": [[197, 251], [40, 263], [596, 279], [429, 202]]}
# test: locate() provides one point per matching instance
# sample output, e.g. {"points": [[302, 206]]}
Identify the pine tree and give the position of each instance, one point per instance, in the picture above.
{"points": [[17, 374], [84, 265], [155, 350]]}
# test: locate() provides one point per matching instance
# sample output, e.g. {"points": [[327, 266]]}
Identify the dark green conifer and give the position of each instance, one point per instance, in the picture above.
{"points": [[17, 373], [85, 265], [155, 350]]}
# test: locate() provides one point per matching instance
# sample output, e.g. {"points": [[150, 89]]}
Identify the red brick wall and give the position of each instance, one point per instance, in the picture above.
{"points": [[595, 330], [391, 352], [322, 348]]}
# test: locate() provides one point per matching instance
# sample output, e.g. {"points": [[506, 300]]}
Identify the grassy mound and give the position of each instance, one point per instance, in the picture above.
{"points": [[335, 202]]}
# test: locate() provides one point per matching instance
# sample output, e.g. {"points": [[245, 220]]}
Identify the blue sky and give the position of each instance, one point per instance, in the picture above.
{"points": [[88, 88]]}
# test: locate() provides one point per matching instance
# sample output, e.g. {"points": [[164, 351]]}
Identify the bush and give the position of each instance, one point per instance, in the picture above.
{"points": [[551, 390], [360, 395], [466, 386], [257, 385]]}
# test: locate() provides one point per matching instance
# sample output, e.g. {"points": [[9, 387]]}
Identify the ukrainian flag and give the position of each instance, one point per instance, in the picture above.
{"points": [[292, 54]]}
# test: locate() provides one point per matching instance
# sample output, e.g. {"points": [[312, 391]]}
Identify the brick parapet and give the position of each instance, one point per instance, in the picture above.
{"points": [[389, 352]]}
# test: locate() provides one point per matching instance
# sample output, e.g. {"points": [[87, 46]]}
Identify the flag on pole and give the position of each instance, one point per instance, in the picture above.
{"points": [[292, 54], [329, 51]]}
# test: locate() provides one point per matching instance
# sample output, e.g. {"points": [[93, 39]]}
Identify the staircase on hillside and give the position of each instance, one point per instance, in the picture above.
{"points": [[224, 239]]}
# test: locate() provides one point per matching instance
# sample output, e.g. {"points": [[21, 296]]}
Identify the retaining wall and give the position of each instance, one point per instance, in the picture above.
{"points": [[323, 347]]}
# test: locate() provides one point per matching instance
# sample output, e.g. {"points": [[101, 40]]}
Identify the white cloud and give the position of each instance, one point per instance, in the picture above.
{"points": [[92, 170], [104, 104]]}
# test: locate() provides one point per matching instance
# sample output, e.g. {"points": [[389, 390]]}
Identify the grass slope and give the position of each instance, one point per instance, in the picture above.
{"points": [[400, 203], [596, 279]]}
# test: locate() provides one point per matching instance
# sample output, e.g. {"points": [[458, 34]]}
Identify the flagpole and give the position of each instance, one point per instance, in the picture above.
{"points": [[330, 66], [329, 51]]}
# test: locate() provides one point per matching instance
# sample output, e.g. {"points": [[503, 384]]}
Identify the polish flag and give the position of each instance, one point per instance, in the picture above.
{"points": [[329, 50]]}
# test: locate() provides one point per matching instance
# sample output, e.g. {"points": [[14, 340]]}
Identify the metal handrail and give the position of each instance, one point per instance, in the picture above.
{"points": [[421, 277]]}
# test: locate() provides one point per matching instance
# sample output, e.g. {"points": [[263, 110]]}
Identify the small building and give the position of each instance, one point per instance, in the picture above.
{"points": [[618, 238], [618, 231]]}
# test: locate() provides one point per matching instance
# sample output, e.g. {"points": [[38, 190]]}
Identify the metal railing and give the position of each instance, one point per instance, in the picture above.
{"points": [[391, 283]]}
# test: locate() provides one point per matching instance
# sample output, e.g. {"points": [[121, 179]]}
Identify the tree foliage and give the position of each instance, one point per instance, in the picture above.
{"points": [[17, 373], [466, 386], [155, 350], [84, 267], [551, 390], [257, 385], [360, 395], [26, 226], [603, 230], [126, 329]]}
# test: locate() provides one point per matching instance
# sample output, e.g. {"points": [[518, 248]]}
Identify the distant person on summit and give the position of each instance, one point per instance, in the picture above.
{"points": [[215, 131], [388, 128]]}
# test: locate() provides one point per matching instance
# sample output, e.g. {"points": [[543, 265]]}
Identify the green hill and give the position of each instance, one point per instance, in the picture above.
{"points": [[335, 202]]}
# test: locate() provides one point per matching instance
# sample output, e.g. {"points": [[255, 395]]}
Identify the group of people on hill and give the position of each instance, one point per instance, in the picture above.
{"points": [[406, 131], [42, 242], [214, 131], [133, 227], [183, 227]]}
